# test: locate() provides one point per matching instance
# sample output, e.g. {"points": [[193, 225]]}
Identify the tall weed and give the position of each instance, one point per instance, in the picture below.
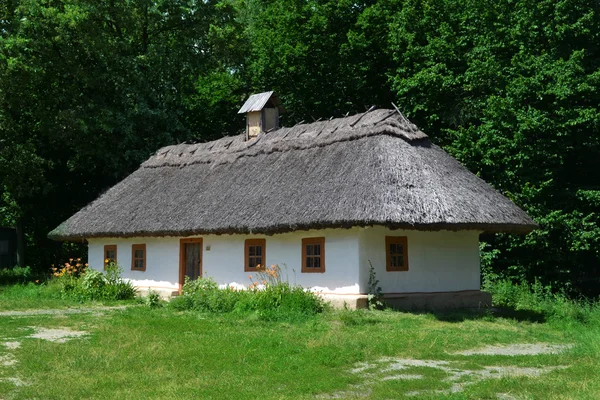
{"points": [[270, 296], [79, 283], [541, 299]]}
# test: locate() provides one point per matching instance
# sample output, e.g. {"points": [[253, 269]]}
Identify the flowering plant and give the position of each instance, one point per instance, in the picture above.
{"points": [[73, 268], [267, 276]]}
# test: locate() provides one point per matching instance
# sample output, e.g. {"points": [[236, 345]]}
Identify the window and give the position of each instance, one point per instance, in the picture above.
{"points": [[254, 254], [110, 254], [313, 255], [396, 251], [138, 257]]}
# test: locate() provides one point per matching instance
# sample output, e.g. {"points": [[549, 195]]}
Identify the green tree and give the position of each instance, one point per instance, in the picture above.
{"points": [[88, 90], [315, 54], [512, 90]]}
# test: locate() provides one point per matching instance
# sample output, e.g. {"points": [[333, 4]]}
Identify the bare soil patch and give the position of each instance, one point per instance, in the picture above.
{"points": [[58, 335], [387, 368], [15, 381], [11, 345], [517, 349], [58, 311], [7, 360]]}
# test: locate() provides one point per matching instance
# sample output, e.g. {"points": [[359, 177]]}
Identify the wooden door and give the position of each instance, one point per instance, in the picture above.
{"points": [[190, 259]]}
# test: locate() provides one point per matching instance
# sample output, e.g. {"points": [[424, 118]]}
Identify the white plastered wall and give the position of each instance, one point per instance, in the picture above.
{"points": [[162, 260], [223, 259], [441, 261]]}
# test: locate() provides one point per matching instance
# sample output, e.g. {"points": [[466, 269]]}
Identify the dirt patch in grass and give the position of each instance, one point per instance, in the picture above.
{"points": [[12, 345], [455, 374], [58, 311], [15, 381], [518, 349], [7, 360], [58, 335]]}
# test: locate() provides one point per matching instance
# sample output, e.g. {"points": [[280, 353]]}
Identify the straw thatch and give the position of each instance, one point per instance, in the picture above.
{"points": [[374, 168]]}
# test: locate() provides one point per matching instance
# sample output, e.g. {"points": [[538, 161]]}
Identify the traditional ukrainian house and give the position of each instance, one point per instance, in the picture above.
{"points": [[324, 200]]}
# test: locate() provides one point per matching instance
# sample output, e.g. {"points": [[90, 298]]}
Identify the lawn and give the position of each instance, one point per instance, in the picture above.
{"points": [[36, 296], [143, 353]]}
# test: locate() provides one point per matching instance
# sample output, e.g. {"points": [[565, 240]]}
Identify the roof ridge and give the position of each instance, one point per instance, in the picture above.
{"points": [[299, 137]]}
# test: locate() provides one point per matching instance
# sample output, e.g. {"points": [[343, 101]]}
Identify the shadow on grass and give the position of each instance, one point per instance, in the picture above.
{"points": [[482, 314]]}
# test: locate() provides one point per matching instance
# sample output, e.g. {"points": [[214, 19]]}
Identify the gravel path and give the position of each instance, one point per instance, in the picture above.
{"points": [[58, 311], [457, 374], [517, 349]]}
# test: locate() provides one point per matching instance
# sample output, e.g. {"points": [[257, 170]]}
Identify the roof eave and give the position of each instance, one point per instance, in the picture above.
{"points": [[272, 230]]}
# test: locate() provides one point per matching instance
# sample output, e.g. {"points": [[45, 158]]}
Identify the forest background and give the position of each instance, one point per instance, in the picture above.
{"points": [[511, 88]]}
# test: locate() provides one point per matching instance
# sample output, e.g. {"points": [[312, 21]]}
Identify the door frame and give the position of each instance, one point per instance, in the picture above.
{"points": [[182, 257]]}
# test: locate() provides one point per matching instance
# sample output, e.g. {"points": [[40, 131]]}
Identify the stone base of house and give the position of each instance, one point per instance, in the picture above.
{"points": [[400, 301], [350, 301], [164, 293], [439, 300], [416, 301]]}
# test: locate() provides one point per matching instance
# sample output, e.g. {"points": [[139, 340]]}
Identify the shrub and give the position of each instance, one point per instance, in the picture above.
{"points": [[203, 294], [375, 296], [9, 276], [542, 300], [80, 283], [116, 288], [93, 283], [269, 296], [152, 300]]}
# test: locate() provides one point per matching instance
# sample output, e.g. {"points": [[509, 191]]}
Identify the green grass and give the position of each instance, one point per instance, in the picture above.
{"points": [[242, 353], [45, 295], [161, 353]]}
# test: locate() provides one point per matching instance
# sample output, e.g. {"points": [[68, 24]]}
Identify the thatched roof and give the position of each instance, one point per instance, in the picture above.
{"points": [[368, 169]]}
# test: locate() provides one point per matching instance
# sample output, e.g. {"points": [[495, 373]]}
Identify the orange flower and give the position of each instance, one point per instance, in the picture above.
{"points": [[37, 281]]}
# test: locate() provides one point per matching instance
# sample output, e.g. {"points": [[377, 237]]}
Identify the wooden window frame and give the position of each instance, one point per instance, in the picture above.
{"points": [[135, 247], [182, 243], [403, 240], [254, 242], [108, 247], [314, 240]]}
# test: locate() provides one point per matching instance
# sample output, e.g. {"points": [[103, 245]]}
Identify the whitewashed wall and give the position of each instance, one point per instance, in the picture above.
{"points": [[225, 259], [438, 261], [162, 260]]}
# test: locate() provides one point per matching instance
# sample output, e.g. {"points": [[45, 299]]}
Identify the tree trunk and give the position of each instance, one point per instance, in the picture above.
{"points": [[20, 243]]}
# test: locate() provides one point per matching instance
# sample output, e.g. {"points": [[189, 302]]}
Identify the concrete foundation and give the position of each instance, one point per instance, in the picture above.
{"points": [[350, 301]]}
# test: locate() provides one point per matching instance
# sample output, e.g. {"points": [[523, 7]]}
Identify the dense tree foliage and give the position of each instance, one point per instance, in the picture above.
{"points": [[512, 89], [90, 88]]}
